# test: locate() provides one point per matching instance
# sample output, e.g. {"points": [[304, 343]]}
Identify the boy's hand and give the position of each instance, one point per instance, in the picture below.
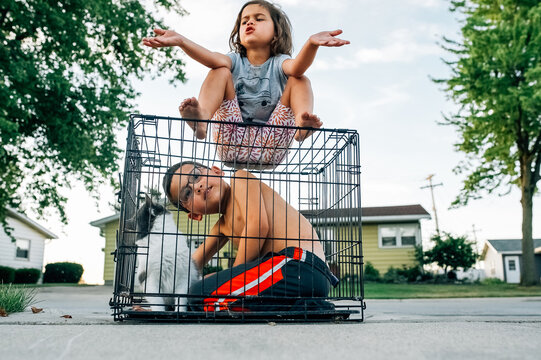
{"points": [[328, 38], [163, 38]]}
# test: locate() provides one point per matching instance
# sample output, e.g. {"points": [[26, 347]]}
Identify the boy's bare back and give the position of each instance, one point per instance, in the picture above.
{"points": [[259, 221]]}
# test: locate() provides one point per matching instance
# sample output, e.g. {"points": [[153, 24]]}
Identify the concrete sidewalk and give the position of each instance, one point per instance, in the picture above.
{"points": [[496, 328]]}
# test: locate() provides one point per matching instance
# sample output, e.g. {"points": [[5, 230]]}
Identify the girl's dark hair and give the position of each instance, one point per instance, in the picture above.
{"points": [[282, 43], [168, 177]]}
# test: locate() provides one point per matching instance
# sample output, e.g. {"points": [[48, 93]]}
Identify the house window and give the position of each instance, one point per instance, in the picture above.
{"points": [[408, 236], [388, 236], [23, 249], [398, 235], [512, 265]]}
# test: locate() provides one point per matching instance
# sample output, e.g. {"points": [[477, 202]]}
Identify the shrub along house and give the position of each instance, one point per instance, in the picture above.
{"points": [[27, 251], [389, 234], [503, 259]]}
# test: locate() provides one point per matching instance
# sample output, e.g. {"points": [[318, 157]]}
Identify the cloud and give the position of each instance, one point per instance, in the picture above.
{"points": [[390, 94], [340, 4], [395, 52], [401, 46], [316, 4], [427, 3]]}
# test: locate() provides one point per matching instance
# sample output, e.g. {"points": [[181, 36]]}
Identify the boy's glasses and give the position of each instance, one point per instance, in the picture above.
{"points": [[186, 193]]}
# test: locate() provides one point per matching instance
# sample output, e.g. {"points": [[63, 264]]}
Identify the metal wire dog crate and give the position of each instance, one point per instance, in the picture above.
{"points": [[320, 177]]}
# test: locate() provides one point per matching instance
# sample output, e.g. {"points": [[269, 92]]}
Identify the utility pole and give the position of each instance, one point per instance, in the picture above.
{"points": [[475, 230], [432, 186]]}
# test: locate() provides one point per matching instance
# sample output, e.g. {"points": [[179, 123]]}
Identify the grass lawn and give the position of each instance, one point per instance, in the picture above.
{"points": [[431, 291]]}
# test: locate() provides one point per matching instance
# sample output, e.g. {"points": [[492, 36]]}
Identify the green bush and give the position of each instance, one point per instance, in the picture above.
{"points": [[393, 275], [63, 272], [27, 276], [404, 274], [426, 276], [492, 281], [7, 275], [412, 274], [451, 275], [371, 273], [208, 269], [451, 252], [443, 279]]}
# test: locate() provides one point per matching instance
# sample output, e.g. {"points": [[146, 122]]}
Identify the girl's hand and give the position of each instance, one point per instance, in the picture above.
{"points": [[163, 38], [328, 38]]}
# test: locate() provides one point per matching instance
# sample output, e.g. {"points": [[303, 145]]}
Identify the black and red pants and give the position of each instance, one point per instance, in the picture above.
{"points": [[291, 279]]}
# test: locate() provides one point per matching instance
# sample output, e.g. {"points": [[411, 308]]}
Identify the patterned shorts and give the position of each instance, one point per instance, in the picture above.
{"points": [[251, 146]]}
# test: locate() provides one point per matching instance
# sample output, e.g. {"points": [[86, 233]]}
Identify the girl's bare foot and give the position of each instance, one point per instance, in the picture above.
{"points": [[190, 109], [306, 120]]}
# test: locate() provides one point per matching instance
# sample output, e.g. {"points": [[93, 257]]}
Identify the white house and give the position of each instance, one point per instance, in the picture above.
{"points": [[503, 259], [27, 250]]}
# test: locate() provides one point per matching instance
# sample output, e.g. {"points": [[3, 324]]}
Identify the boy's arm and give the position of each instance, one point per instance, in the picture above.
{"points": [[213, 243], [166, 38], [296, 67], [247, 192]]}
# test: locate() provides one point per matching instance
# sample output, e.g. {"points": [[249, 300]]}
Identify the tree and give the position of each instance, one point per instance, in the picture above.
{"points": [[496, 83], [66, 72], [451, 252]]}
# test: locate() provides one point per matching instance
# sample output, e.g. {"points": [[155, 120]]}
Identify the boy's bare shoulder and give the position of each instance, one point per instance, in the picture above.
{"points": [[243, 173], [244, 181]]}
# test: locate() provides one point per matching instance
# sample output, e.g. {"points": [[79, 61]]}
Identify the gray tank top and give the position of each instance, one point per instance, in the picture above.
{"points": [[258, 88]]}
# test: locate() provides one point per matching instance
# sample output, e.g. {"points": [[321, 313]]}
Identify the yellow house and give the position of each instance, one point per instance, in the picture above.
{"points": [[389, 234]]}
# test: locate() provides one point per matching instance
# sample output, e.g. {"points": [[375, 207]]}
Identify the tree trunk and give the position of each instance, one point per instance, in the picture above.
{"points": [[529, 274]]}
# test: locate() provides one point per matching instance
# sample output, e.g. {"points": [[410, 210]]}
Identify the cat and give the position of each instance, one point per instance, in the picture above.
{"points": [[163, 258]]}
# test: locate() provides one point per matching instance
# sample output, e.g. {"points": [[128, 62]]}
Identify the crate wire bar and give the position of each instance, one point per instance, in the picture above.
{"points": [[320, 177]]}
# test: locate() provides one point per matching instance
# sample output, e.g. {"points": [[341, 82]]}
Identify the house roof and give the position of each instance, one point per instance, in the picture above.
{"points": [[103, 221], [511, 245], [31, 223], [373, 214], [402, 210], [100, 223]]}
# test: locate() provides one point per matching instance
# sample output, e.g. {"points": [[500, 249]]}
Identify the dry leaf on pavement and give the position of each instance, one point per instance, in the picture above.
{"points": [[36, 310], [66, 316]]}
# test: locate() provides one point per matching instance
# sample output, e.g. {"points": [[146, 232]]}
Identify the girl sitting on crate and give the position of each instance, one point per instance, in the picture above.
{"points": [[259, 83], [279, 254]]}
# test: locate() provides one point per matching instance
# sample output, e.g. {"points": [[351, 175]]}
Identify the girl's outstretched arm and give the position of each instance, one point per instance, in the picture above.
{"points": [[165, 38], [296, 67]]}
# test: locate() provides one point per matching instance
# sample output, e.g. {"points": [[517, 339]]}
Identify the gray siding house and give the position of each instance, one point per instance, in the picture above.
{"points": [[28, 249], [503, 259]]}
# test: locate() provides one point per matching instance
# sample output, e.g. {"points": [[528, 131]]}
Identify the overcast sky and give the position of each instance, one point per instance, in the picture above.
{"points": [[378, 85]]}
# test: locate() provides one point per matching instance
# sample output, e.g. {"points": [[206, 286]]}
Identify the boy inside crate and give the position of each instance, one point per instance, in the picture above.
{"points": [[280, 261]]}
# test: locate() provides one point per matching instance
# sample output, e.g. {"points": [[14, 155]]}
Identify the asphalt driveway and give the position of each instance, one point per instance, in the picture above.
{"points": [[496, 328]]}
